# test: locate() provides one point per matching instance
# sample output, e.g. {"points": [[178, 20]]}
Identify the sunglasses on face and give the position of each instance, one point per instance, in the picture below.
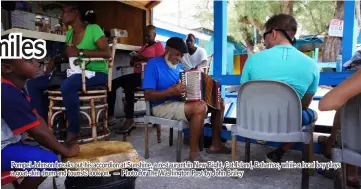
{"points": [[292, 41]]}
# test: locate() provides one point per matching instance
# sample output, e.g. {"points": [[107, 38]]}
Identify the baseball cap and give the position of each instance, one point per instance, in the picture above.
{"points": [[177, 43]]}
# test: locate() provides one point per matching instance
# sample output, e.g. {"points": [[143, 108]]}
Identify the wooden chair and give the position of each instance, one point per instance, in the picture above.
{"points": [[93, 100], [207, 68]]}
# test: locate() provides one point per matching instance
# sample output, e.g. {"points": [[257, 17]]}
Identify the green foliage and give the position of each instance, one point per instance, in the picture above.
{"points": [[312, 16]]}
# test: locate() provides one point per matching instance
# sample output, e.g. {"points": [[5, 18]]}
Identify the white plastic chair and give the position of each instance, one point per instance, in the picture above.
{"points": [[349, 149], [271, 111], [149, 120]]}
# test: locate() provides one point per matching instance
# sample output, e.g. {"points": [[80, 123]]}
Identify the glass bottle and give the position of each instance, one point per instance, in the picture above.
{"points": [[39, 23]]}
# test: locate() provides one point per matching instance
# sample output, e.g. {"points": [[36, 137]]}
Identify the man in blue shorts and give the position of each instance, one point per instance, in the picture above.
{"points": [[163, 88], [283, 62], [18, 116]]}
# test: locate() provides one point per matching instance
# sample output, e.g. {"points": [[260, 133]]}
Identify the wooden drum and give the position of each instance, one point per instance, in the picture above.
{"points": [[101, 152]]}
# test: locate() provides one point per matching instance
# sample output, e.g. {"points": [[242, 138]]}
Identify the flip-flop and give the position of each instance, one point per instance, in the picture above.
{"points": [[125, 130], [223, 150], [112, 121]]}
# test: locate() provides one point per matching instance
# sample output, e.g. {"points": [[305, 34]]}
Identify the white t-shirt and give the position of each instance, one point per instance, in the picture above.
{"points": [[192, 61]]}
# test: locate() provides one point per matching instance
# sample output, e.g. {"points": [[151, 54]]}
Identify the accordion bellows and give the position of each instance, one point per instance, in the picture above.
{"points": [[200, 86]]}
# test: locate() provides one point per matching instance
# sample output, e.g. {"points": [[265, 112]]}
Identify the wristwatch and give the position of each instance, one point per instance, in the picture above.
{"points": [[81, 53]]}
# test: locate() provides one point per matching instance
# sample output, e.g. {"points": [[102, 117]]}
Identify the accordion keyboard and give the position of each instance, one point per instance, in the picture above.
{"points": [[192, 84]]}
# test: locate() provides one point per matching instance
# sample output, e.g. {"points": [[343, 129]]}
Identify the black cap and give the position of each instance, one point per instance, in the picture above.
{"points": [[177, 43]]}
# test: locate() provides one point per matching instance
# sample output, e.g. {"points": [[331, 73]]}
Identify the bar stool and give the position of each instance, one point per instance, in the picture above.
{"points": [[93, 101]]}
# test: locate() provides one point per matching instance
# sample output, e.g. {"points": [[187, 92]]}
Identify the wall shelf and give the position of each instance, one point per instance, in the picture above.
{"points": [[57, 38], [35, 35]]}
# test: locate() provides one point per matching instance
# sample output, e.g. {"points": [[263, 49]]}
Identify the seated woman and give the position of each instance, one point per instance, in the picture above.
{"points": [[131, 81], [83, 40], [334, 100]]}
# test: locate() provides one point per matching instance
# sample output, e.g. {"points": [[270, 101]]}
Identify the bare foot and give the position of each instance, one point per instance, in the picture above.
{"points": [[71, 138], [219, 149]]}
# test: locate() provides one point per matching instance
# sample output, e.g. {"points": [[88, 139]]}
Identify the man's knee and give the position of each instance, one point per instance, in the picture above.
{"points": [[199, 108]]}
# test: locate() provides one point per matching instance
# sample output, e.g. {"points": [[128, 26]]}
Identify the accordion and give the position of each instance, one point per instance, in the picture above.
{"points": [[200, 86]]}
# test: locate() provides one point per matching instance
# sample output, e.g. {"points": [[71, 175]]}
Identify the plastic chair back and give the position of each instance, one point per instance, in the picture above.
{"points": [[269, 110], [351, 124]]}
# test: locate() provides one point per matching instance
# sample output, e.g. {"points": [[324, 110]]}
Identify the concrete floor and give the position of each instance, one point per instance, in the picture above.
{"points": [[256, 179]]}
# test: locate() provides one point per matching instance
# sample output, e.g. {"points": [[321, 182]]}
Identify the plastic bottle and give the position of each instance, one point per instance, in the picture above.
{"points": [[339, 63]]}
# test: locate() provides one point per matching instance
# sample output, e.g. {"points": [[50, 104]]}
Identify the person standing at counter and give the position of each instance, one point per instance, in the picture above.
{"points": [[130, 82], [85, 39]]}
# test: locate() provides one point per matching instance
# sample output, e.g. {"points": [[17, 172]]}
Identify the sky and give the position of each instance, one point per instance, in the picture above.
{"points": [[178, 12]]}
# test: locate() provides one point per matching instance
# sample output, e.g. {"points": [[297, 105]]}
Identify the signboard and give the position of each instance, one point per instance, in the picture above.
{"points": [[336, 28]]}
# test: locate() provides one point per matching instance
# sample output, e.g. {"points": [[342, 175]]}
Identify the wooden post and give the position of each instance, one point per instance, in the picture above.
{"points": [[311, 155], [105, 126], [234, 140], [92, 123], [158, 134], [111, 63], [83, 76], [146, 142], [147, 17], [50, 114]]}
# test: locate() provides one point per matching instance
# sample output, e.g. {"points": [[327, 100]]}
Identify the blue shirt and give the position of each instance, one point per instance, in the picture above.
{"points": [[159, 76], [17, 116], [286, 64]]}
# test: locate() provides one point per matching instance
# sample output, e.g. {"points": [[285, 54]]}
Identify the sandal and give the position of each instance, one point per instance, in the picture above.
{"points": [[125, 129], [223, 150], [112, 121]]}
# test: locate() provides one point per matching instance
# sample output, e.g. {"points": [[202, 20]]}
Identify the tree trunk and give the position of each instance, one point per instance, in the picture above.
{"points": [[332, 45], [287, 7]]}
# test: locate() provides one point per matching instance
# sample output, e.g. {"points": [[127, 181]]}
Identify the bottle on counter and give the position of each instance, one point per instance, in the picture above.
{"points": [[339, 63], [39, 23], [58, 29], [47, 26], [64, 29]]}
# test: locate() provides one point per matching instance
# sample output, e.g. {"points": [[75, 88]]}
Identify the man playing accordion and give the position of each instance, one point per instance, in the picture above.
{"points": [[163, 88]]}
